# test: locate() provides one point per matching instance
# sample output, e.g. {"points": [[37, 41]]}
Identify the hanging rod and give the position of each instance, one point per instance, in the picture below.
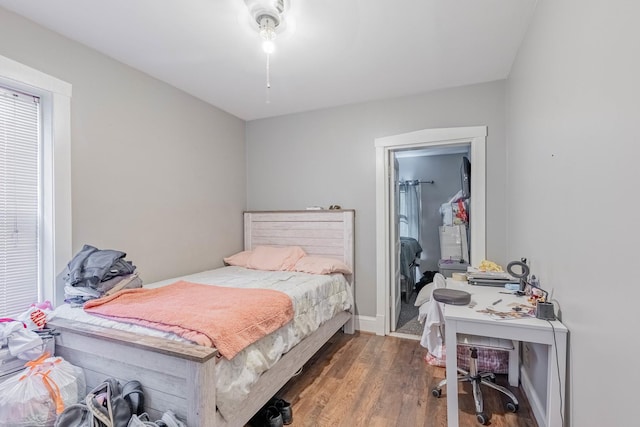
{"points": [[416, 182]]}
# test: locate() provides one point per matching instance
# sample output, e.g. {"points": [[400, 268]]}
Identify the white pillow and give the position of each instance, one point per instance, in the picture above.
{"points": [[425, 294]]}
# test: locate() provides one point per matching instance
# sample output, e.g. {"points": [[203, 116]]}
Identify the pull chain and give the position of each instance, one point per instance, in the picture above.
{"points": [[268, 80]]}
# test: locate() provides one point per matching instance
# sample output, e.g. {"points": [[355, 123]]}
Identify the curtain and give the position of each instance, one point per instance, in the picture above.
{"points": [[410, 208]]}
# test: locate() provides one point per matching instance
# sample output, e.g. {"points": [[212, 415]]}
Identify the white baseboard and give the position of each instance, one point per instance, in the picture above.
{"points": [[405, 336], [369, 324], [538, 409]]}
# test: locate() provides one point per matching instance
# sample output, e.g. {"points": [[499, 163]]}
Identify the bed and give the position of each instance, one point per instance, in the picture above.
{"points": [[182, 376]]}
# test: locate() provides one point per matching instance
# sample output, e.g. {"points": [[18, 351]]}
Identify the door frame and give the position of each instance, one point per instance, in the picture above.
{"points": [[395, 293], [476, 137]]}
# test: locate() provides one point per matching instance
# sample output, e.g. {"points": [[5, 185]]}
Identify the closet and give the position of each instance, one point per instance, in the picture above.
{"points": [[433, 208]]}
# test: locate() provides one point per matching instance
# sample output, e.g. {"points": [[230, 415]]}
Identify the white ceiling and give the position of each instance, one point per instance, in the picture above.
{"points": [[332, 52]]}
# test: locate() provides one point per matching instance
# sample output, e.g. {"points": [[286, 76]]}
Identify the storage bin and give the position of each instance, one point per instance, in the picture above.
{"points": [[448, 267], [10, 364], [453, 242]]}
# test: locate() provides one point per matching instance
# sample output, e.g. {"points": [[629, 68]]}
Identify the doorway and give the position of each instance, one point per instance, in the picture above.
{"points": [[388, 278], [432, 207]]}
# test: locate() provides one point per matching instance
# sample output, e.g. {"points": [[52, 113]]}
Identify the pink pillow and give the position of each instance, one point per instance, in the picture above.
{"points": [[321, 265], [273, 258], [239, 259]]}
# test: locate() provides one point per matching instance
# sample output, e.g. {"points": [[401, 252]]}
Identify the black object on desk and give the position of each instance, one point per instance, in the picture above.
{"points": [[451, 296], [545, 311]]}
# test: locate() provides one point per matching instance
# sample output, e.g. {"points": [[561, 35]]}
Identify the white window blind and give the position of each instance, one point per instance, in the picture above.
{"points": [[19, 201]]}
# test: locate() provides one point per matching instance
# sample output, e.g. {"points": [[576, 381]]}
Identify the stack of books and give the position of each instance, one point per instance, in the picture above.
{"points": [[489, 278]]}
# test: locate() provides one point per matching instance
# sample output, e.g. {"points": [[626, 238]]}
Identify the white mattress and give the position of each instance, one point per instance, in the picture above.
{"points": [[316, 299]]}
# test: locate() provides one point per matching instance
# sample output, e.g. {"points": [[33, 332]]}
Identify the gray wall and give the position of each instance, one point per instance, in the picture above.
{"points": [[155, 172], [572, 156], [327, 157], [444, 170]]}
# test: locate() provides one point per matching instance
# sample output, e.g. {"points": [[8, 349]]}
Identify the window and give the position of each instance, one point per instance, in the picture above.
{"points": [[51, 181], [410, 209], [20, 207]]}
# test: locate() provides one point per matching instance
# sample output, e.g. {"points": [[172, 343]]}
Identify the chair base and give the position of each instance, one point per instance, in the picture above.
{"points": [[476, 379]]}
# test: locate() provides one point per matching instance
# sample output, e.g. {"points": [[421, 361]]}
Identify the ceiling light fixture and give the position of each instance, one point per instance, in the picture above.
{"points": [[269, 17]]}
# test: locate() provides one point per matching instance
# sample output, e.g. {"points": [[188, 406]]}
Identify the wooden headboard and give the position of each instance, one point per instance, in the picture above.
{"points": [[325, 233]]}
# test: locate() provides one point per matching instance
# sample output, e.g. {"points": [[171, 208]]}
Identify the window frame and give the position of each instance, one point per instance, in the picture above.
{"points": [[55, 226]]}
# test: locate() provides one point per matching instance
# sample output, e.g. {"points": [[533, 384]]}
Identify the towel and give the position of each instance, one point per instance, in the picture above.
{"points": [[226, 318], [432, 335]]}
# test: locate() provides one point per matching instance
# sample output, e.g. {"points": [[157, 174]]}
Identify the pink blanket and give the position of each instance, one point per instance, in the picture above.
{"points": [[228, 319]]}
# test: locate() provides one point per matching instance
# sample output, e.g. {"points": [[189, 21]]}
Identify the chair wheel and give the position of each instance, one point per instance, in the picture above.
{"points": [[436, 392], [482, 418], [512, 407]]}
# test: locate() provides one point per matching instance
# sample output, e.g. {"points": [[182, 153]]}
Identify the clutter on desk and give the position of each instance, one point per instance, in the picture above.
{"points": [[487, 265], [535, 294], [517, 311], [488, 273], [545, 311], [537, 298], [459, 277]]}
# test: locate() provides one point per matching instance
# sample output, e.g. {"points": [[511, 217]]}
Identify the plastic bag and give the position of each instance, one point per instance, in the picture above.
{"points": [[22, 342], [35, 396], [37, 315]]}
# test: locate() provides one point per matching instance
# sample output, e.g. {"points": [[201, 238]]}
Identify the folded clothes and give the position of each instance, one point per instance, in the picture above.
{"points": [[78, 295], [111, 286]]}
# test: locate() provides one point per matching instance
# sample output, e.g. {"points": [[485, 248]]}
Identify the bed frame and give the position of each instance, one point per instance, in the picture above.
{"points": [[180, 376]]}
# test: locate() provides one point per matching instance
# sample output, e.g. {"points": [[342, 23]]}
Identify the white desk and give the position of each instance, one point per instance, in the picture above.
{"points": [[462, 319]]}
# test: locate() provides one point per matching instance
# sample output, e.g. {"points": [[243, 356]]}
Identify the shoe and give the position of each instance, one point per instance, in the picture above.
{"points": [[141, 420], [133, 394], [272, 417], [284, 408], [170, 419]]}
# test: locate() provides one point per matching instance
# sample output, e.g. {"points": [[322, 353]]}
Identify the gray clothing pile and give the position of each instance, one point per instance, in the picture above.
{"points": [[93, 273]]}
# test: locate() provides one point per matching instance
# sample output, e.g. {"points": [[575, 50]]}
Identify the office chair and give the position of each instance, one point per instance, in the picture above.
{"points": [[476, 378]]}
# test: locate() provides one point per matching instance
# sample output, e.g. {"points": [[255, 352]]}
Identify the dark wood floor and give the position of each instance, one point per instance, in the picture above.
{"points": [[368, 380]]}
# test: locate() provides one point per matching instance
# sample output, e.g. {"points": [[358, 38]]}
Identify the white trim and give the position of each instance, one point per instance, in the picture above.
{"points": [[432, 136], [22, 75], [474, 136], [405, 336], [534, 401], [369, 324], [55, 95]]}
